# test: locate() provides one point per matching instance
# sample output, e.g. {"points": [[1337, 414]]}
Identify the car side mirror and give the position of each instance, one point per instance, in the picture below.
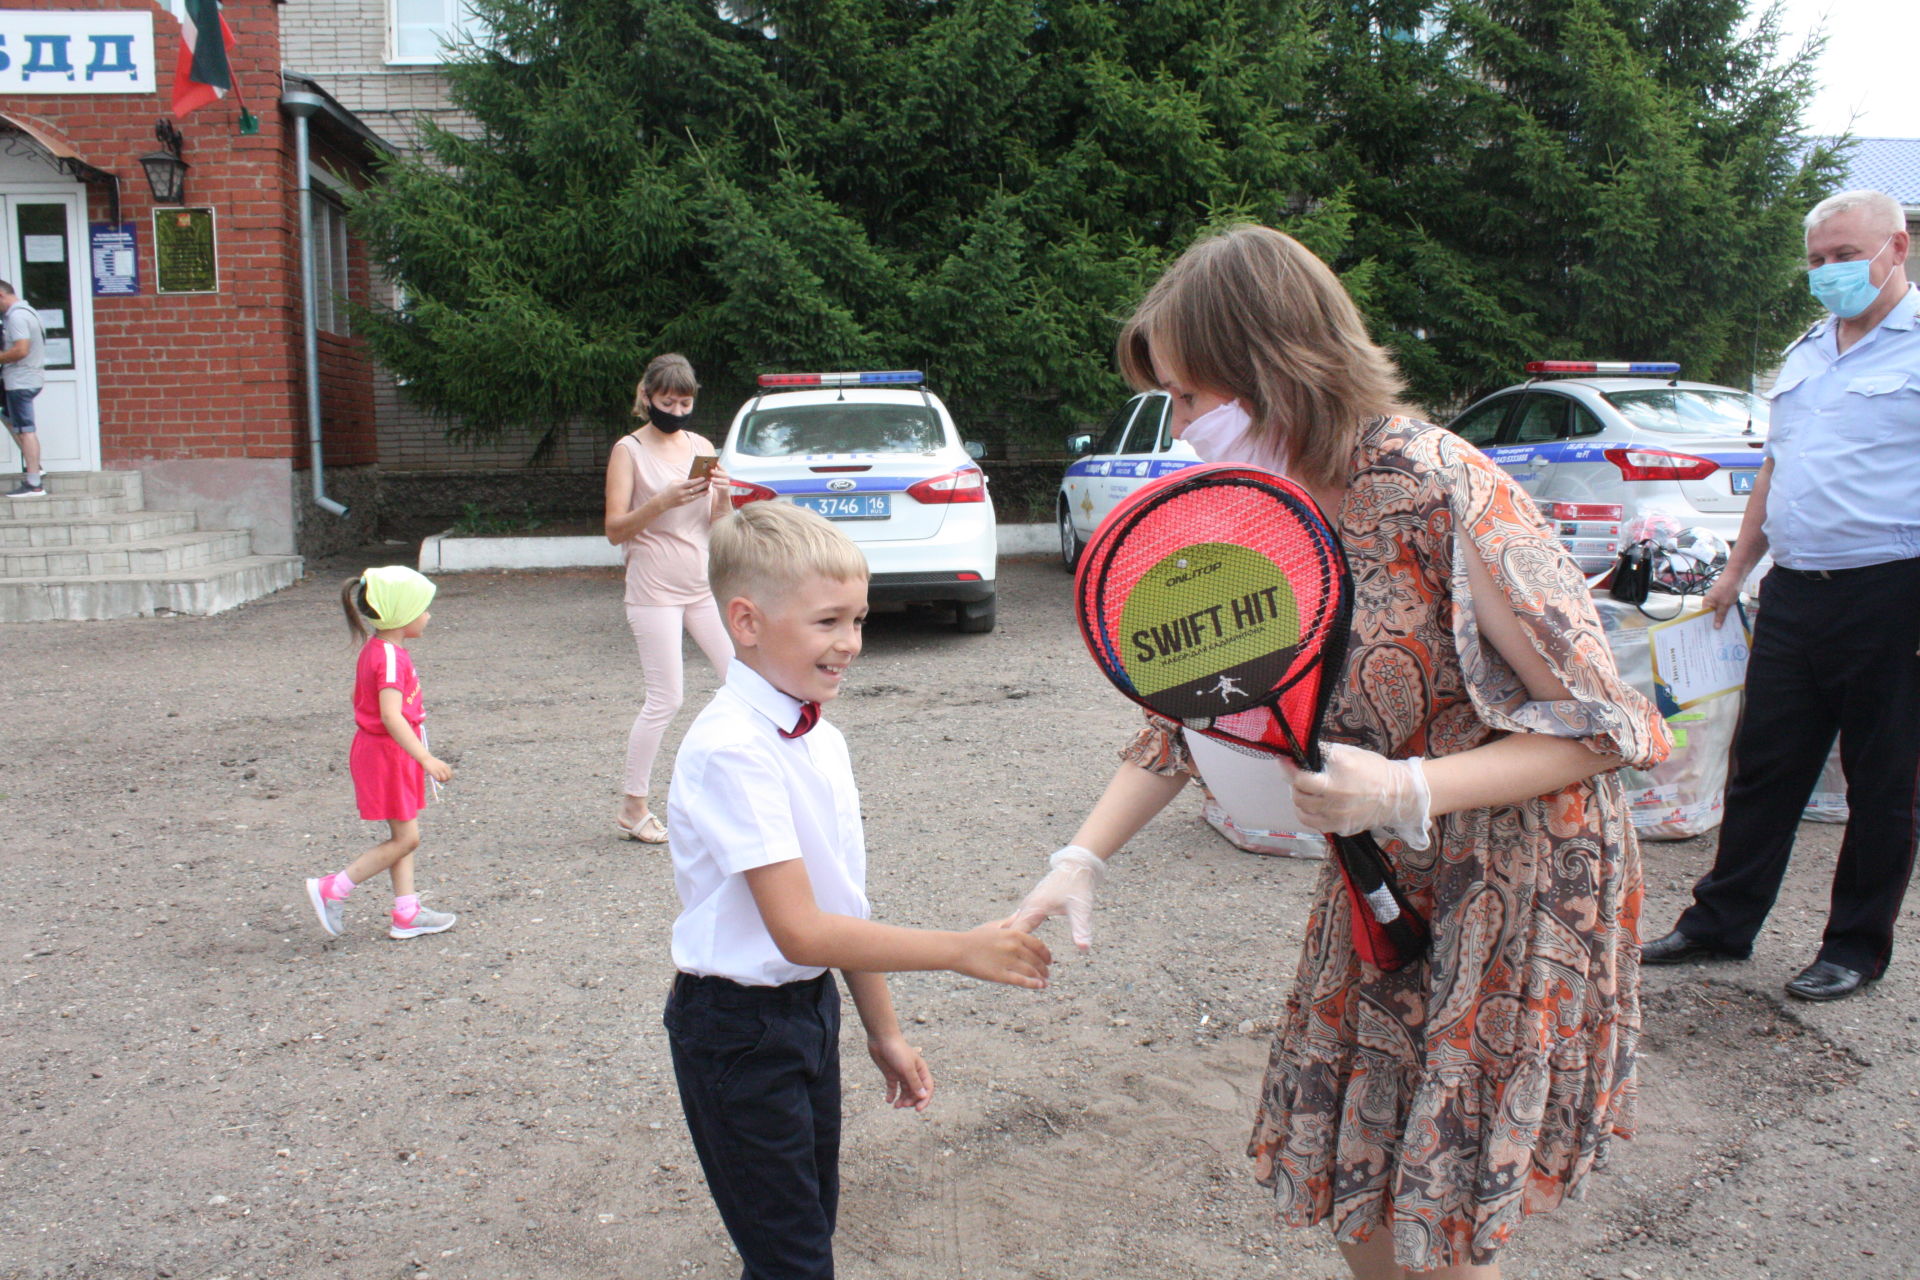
{"points": [[1080, 444], [975, 449]]}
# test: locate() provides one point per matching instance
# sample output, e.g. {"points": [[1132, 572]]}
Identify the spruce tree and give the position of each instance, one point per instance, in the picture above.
{"points": [[973, 187]]}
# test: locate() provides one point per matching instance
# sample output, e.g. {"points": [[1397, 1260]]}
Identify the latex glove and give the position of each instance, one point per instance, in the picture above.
{"points": [[1359, 790], [1066, 890]]}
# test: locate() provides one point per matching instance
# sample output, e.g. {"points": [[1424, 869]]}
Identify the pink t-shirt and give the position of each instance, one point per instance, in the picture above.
{"points": [[667, 560], [385, 665]]}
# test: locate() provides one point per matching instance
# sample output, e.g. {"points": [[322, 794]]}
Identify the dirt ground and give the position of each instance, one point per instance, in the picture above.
{"points": [[199, 1084]]}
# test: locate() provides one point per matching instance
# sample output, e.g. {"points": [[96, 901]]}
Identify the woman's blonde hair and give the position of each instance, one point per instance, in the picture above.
{"points": [[671, 373], [765, 548], [1250, 313]]}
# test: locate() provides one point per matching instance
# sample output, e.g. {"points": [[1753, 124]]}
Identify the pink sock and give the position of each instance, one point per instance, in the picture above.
{"points": [[336, 887], [405, 908]]}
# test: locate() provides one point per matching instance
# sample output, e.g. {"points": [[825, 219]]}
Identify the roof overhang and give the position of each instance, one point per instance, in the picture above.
{"points": [[64, 158], [301, 95]]}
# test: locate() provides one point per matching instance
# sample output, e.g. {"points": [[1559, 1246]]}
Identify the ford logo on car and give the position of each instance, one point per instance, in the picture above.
{"points": [[839, 486]]}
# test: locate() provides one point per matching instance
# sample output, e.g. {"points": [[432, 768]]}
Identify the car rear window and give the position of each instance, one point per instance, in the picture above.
{"points": [[840, 428], [1679, 411]]}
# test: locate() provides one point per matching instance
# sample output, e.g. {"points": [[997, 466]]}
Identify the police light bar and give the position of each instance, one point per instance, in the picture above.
{"points": [[885, 378], [1666, 367]]}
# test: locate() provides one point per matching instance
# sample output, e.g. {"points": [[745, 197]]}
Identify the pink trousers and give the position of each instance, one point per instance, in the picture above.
{"points": [[656, 632]]}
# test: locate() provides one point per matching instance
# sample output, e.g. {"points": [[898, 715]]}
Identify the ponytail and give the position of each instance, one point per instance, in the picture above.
{"points": [[353, 602]]}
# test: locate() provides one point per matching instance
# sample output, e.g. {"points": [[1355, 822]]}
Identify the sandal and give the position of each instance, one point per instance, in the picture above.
{"points": [[649, 830]]}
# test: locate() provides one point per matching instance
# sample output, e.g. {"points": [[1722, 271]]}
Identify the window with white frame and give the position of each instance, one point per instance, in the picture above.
{"points": [[421, 32], [330, 263]]}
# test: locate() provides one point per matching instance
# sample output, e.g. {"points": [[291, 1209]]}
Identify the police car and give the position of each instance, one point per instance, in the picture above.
{"points": [[876, 453], [1605, 441], [1135, 446], [1599, 444]]}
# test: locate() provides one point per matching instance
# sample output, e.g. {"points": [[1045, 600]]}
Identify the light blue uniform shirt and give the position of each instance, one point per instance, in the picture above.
{"points": [[1845, 444]]}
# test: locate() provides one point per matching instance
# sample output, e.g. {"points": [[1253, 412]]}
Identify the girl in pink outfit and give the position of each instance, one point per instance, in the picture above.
{"points": [[659, 511], [389, 761]]}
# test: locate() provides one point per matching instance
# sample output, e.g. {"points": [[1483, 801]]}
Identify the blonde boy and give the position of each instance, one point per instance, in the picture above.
{"points": [[770, 864]]}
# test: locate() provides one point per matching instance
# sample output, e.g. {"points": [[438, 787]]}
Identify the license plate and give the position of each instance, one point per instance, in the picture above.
{"points": [[849, 506], [1743, 480]]}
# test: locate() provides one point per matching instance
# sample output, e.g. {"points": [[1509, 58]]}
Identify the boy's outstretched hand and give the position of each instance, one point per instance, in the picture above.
{"points": [[994, 953], [909, 1082]]}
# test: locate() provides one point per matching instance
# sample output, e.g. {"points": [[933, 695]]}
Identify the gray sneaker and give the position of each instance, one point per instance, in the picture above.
{"points": [[331, 911], [427, 921], [25, 490]]}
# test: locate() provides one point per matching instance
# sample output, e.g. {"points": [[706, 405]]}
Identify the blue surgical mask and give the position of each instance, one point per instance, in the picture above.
{"points": [[1846, 288]]}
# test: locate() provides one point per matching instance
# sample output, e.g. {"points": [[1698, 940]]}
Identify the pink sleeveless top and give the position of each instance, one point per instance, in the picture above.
{"points": [[667, 560]]}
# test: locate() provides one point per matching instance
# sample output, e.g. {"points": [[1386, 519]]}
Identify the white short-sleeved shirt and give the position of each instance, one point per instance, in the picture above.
{"points": [[745, 797], [1844, 441]]}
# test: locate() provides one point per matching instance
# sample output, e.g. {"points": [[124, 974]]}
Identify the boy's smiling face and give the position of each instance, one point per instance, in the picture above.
{"points": [[803, 641]]}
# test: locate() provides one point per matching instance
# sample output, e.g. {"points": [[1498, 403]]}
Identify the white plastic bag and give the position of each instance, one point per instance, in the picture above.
{"points": [[1280, 844], [1685, 794]]}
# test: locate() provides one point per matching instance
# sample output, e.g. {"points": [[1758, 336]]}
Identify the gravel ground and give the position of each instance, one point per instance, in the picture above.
{"points": [[199, 1084]]}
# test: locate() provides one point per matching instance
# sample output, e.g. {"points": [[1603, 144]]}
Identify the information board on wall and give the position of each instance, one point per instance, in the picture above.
{"points": [[184, 253], [69, 51], [114, 251]]}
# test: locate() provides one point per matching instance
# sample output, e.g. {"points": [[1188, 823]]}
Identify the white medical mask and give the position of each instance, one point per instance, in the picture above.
{"points": [[1224, 434]]}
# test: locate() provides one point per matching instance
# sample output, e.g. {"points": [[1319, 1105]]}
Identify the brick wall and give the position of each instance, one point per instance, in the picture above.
{"points": [[199, 375], [342, 45]]}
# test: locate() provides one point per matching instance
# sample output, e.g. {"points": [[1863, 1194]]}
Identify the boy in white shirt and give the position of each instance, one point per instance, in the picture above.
{"points": [[770, 863]]}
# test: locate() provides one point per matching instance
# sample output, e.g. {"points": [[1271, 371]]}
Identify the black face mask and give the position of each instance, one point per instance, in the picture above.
{"points": [[667, 422]]}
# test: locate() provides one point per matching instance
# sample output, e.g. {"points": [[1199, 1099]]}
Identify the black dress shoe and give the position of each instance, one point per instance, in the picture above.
{"points": [[1678, 948], [1825, 980]]}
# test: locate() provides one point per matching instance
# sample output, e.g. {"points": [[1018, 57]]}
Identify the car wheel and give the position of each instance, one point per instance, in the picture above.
{"points": [[975, 617], [1069, 539]]}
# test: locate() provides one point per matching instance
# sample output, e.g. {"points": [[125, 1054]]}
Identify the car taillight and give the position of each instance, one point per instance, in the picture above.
{"points": [[742, 492], [1660, 464], [965, 485]]}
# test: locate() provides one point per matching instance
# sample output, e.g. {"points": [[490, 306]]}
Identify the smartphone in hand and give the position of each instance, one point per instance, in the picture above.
{"points": [[703, 465]]}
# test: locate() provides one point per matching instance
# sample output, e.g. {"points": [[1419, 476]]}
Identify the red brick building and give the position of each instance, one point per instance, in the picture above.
{"points": [[185, 361]]}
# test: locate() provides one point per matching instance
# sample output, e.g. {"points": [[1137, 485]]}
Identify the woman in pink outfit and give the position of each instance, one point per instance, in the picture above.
{"points": [[659, 512]]}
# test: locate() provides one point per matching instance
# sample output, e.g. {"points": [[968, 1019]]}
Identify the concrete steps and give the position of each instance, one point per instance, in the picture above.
{"points": [[88, 551], [114, 526]]}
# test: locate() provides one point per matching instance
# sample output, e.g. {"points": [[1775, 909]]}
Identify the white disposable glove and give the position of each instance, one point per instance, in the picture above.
{"points": [[1066, 890], [1359, 790]]}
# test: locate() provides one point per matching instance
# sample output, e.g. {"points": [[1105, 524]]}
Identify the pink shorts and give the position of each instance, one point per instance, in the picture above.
{"points": [[389, 784]]}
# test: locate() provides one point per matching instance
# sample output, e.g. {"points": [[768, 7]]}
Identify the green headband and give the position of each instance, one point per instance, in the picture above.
{"points": [[396, 594]]}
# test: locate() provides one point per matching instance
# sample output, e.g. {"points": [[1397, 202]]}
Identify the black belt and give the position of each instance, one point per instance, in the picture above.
{"points": [[1835, 575]]}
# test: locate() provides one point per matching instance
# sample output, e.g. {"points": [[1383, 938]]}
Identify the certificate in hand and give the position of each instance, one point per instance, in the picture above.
{"points": [[1697, 661], [1254, 790]]}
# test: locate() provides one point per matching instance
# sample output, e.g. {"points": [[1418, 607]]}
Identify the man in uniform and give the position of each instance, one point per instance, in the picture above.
{"points": [[1836, 646]]}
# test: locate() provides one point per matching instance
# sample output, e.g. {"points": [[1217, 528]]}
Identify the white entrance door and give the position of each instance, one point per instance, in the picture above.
{"points": [[43, 253]]}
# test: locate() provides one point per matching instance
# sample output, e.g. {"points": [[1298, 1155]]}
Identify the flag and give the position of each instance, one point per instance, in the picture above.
{"points": [[202, 74]]}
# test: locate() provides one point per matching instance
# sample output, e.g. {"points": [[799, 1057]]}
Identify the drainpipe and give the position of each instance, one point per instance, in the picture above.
{"points": [[301, 107]]}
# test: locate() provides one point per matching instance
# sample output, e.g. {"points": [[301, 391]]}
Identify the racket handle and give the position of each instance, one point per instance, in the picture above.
{"points": [[1388, 931]]}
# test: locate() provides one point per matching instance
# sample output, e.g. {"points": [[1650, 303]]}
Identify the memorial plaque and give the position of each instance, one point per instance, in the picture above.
{"points": [[184, 260]]}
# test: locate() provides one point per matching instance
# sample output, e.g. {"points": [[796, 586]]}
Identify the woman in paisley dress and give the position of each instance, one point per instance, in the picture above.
{"points": [[1422, 1113]]}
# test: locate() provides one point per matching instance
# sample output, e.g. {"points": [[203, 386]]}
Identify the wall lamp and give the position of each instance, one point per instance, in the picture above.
{"points": [[166, 171]]}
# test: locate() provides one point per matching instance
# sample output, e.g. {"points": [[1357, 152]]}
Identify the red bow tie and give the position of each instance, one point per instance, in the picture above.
{"points": [[809, 717]]}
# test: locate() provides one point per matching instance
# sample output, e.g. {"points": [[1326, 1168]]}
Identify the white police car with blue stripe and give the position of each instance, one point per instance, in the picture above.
{"points": [[1606, 441], [877, 453], [1135, 446]]}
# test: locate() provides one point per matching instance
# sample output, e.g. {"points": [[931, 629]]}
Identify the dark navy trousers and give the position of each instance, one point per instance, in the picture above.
{"points": [[1830, 655], [759, 1076]]}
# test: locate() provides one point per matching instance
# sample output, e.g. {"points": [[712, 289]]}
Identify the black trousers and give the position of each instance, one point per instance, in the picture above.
{"points": [[1830, 655], [759, 1076]]}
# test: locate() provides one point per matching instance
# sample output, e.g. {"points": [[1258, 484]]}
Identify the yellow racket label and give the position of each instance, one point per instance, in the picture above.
{"points": [[1209, 629]]}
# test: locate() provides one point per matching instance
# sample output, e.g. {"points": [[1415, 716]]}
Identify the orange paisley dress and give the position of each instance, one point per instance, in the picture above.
{"points": [[1452, 1098]]}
